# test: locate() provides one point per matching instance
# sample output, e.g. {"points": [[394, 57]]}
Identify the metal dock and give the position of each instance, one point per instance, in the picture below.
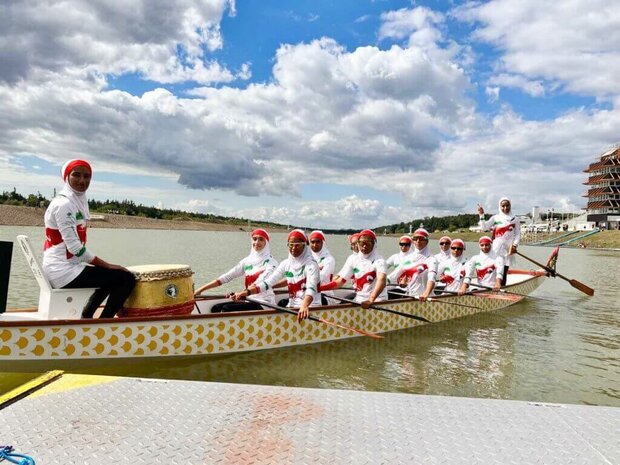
{"points": [[82, 419]]}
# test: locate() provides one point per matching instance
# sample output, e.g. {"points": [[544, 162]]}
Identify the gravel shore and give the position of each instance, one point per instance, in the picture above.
{"points": [[29, 216]]}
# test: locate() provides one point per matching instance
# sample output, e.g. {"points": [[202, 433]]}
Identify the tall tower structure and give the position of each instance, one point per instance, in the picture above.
{"points": [[604, 190]]}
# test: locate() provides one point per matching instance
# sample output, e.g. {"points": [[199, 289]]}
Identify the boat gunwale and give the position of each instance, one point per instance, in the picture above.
{"points": [[533, 274]]}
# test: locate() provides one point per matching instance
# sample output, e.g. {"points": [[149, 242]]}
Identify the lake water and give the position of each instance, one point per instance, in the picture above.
{"points": [[561, 346]]}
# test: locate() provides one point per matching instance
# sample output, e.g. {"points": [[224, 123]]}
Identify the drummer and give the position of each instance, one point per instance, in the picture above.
{"points": [[67, 263], [256, 266]]}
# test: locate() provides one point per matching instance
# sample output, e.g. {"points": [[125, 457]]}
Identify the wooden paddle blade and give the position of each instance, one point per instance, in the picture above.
{"points": [[582, 287]]}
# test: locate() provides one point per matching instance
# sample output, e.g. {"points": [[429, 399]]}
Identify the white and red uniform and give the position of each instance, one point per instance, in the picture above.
{"points": [[365, 269], [64, 253], [451, 272], [256, 266], [419, 267], [485, 267], [302, 278], [327, 266], [506, 232], [398, 259]]}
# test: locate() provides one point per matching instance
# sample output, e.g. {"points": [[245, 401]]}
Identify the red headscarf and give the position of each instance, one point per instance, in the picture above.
{"points": [[71, 165]]}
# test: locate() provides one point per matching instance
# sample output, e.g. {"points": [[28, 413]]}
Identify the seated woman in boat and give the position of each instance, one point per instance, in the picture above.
{"points": [[324, 258], [444, 249], [416, 275], [451, 271], [506, 233], [487, 267], [302, 276], [256, 266], [368, 270], [67, 263], [396, 260]]}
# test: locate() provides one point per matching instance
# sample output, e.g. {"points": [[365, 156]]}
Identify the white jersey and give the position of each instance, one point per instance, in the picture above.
{"points": [[65, 254], [396, 261], [451, 272], [301, 281], [253, 271], [506, 231], [486, 267], [365, 271]]}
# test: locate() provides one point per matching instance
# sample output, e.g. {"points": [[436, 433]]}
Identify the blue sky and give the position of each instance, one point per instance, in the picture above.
{"points": [[323, 114]]}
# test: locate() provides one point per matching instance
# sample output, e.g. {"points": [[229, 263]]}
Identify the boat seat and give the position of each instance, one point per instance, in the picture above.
{"points": [[54, 304]]}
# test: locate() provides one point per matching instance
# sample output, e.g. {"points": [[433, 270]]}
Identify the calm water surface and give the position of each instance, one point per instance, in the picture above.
{"points": [[561, 346]]}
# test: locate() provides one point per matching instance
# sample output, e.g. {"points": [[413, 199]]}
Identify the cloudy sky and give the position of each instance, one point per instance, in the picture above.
{"points": [[347, 113]]}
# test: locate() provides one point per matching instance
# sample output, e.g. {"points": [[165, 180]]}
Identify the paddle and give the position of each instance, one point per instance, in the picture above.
{"points": [[430, 299], [484, 296], [513, 293], [383, 309], [314, 318], [573, 282]]}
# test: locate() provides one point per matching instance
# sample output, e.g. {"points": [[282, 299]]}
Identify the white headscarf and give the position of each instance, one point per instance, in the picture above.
{"points": [[78, 199], [324, 252], [306, 255], [262, 255], [506, 216]]}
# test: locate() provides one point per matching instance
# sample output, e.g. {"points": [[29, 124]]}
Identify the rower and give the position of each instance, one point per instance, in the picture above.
{"points": [[368, 270], [302, 276], [257, 265], [451, 271], [416, 275], [396, 260], [325, 260], [487, 267]]}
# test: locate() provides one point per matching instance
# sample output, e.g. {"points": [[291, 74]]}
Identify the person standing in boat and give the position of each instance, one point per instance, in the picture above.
{"points": [[506, 233], [417, 274], [368, 270], [256, 266], [67, 263], [325, 260], [487, 267], [451, 271], [396, 260], [301, 273]]}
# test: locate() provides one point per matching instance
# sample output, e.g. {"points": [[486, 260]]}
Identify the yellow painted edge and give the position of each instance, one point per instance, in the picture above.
{"points": [[29, 387], [70, 381]]}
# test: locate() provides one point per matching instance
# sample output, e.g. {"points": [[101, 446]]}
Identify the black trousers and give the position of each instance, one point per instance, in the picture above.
{"points": [[225, 307], [116, 285]]}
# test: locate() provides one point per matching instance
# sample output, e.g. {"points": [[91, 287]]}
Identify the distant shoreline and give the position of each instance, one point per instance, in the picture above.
{"points": [[11, 215]]}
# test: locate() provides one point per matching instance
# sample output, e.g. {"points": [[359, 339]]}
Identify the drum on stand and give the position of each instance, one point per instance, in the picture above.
{"points": [[160, 290]]}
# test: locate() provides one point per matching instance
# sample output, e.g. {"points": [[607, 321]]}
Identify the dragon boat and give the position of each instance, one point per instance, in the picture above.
{"points": [[55, 331]]}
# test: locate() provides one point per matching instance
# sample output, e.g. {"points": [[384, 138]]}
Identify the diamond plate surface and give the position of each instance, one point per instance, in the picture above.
{"points": [[127, 420]]}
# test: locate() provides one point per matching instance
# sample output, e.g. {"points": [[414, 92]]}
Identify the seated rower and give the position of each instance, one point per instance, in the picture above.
{"points": [[417, 275], [396, 260], [257, 265], [451, 271], [325, 260], [487, 267], [301, 273], [367, 268], [444, 250]]}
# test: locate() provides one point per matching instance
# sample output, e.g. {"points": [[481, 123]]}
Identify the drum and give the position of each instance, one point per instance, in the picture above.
{"points": [[160, 290]]}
